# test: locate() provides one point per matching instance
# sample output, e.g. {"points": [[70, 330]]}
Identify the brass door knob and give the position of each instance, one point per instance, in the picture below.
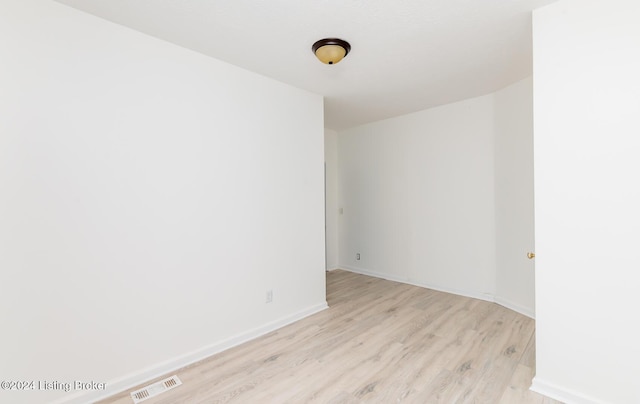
{"points": [[531, 255]]}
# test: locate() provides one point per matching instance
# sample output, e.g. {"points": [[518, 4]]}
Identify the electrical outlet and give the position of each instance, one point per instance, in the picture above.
{"points": [[269, 296], [357, 256]]}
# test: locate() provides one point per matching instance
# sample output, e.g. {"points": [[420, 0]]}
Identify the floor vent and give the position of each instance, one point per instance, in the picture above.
{"points": [[154, 389]]}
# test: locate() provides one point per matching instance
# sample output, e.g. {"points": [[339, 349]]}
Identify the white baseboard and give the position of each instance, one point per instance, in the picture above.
{"points": [[476, 295], [526, 311], [131, 380], [561, 394], [332, 269]]}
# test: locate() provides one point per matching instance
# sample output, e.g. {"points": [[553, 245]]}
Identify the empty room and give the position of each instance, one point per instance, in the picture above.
{"points": [[302, 201]]}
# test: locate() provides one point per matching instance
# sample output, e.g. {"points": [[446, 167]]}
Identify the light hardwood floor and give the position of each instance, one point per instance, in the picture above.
{"points": [[379, 342]]}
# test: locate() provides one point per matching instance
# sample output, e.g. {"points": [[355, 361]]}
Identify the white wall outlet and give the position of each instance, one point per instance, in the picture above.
{"points": [[269, 298], [357, 256]]}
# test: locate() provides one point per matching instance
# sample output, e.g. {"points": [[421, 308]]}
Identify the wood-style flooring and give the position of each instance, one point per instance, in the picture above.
{"points": [[379, 342]]}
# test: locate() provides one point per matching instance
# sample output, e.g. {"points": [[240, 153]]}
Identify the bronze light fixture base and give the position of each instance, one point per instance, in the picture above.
{"points": [[331, 50]]}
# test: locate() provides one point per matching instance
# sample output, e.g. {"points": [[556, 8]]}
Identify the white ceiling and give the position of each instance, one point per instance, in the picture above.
{"points": [[406, 55]]}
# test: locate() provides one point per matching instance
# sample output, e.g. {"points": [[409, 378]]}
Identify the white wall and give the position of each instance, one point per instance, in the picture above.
{"points": [[417, 194], [586, 103], [515, 276], [149, 197], [331, 197], [443, 198]]}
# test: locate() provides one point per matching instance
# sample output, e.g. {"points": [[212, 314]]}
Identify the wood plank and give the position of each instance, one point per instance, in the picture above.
{"points": [[379, 342]]}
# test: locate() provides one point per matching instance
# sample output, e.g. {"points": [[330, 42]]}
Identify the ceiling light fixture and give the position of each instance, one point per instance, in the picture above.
{"points": [[331, 50]]}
